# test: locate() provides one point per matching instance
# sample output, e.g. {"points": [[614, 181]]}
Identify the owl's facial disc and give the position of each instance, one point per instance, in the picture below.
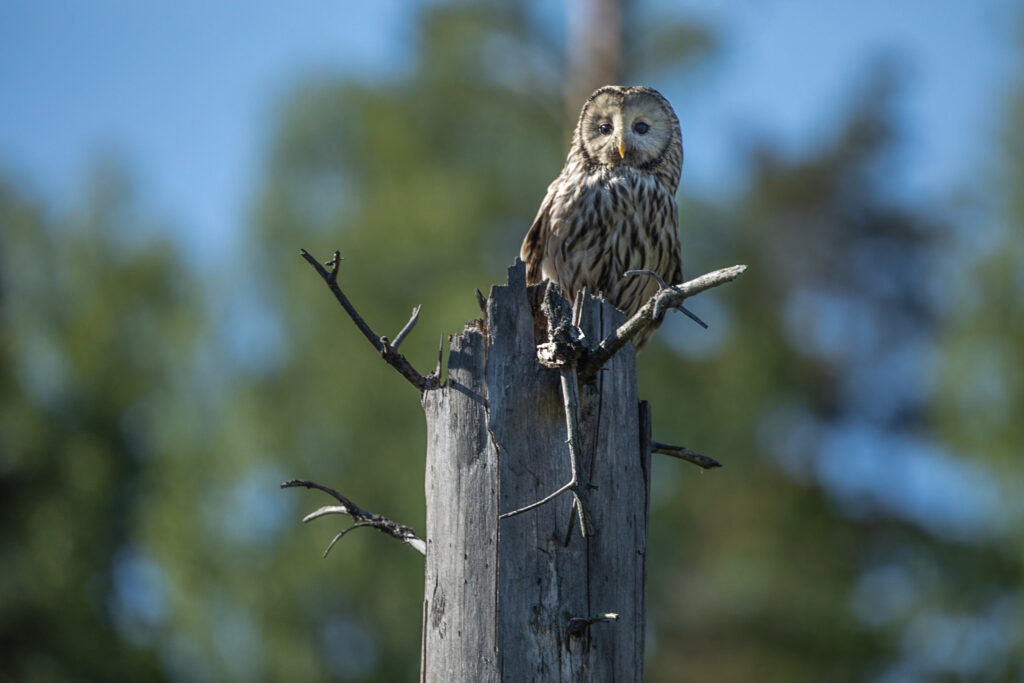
{"points": [[626, 129], [602, 128]]}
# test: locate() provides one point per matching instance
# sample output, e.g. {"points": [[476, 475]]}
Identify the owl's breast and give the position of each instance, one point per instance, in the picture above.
{"points": [[609, 222], [623, 199], [601, 198]]}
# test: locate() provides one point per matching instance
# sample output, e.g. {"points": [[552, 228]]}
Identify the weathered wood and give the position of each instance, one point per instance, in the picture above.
{"points": [[501, 597], [459, 607]]}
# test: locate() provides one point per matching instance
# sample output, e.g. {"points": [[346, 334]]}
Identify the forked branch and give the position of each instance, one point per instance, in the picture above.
{"points": [[387, 350], [359, 516], [649, 315], [560, 351]]}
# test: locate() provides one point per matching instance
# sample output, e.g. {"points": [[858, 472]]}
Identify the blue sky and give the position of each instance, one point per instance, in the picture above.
{"points": [[790, 65], [184, 93]]}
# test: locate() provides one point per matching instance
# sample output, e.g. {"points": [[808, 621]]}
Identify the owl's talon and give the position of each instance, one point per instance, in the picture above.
{"points": [[644, 271]]}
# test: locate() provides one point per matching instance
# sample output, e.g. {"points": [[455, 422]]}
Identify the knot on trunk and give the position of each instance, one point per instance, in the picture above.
{"points": [[566, 341]]}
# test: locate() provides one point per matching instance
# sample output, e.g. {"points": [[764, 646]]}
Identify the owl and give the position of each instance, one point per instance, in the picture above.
{"points": [[613, 207]]}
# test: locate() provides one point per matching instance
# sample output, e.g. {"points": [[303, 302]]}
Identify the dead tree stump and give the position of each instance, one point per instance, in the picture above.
{"points": [[537, 485], [509, 599]]}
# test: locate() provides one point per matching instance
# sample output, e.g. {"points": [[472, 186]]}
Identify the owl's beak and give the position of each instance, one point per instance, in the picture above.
{"points": [[622, 149]]}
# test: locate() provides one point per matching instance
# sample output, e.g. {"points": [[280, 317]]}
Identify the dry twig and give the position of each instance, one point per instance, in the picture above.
{"points": [[565, 343], [408, 327], [359, 516], [684, 453], [578, 624], [387, 350], [646, 317]]}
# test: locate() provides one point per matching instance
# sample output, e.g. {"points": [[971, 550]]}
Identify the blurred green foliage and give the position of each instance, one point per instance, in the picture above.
{"points": [[850, 378], [96, 336]]}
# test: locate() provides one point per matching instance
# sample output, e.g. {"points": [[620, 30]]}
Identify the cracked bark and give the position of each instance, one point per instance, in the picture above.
{"points": [[504, 600]]}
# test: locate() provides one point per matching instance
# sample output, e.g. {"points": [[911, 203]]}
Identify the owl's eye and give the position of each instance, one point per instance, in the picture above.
{"points": [[641, 128], [605, 128]]}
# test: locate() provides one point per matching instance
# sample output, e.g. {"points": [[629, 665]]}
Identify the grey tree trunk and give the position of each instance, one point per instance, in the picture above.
{"points": [[508, 599]]}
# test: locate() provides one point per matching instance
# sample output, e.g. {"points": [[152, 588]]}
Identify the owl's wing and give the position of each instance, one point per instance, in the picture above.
{"points": [[673, 273], [677, 269], [536, 240]]}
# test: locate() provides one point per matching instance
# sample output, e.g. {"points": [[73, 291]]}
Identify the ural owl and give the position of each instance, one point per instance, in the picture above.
{"points": [[613, 207]]}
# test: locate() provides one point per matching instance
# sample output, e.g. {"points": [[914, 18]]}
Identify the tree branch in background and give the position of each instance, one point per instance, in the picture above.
{"points": [[387, 350], [359, 516]]}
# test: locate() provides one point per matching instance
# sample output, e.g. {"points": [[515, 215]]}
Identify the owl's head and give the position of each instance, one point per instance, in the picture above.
{"points": [[630, 126]]}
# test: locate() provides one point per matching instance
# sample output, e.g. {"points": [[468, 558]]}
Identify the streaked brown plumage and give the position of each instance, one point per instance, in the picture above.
{"points": [[613, 207]]}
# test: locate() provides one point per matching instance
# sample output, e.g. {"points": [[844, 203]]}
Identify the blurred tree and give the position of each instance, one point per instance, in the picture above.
{"points": [[983, 385], [95, 336], [761, 560], [980, 401], [593, 49], [850, 537]]}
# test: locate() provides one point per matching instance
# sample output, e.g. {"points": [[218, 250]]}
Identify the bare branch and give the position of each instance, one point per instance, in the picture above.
{"points": [[578, 624], [658, 313], [359, 516], [408, 327], [684, 453], [331, 278], [326, 510], [337, 537], [570, 400], [481, 301], [387, 350], [668, 297], [561, 351], [440, 358], [536, 504]]}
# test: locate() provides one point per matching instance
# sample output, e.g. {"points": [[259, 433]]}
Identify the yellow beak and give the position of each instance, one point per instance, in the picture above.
{"points": [[622, 149]]}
